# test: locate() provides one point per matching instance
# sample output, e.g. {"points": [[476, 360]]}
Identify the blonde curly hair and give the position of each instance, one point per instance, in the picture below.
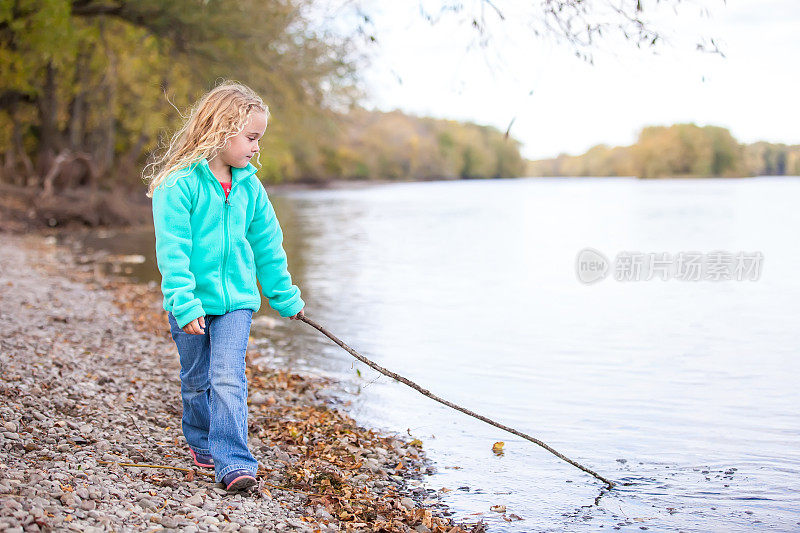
{"points": [[220, 114]]}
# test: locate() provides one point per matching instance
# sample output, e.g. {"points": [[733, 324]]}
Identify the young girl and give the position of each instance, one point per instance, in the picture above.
{"points": [[216, 232]]}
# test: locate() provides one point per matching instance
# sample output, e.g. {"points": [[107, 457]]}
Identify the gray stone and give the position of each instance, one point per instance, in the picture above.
{"points": [[169, 522], [323, 513], [257, 398], [196, 500], [146, 503], [373, 465], [68, 499], [88, 505]]}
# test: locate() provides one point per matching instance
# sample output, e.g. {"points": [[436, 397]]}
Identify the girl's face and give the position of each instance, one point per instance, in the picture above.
{"points": [[242, 147]]}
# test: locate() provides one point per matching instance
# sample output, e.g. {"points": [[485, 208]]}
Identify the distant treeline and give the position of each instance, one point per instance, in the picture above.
{"points": [[680, 150], [396, 146]]}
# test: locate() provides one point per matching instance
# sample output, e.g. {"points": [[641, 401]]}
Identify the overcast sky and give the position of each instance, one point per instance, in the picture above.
{"points": [[428, 70]]}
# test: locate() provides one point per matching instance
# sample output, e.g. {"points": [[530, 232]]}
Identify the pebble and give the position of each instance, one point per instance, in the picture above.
{"points": [[373, 465], [69, 500], [196, 500], [169, 522], [257, 398], [144, 503], [323, 514], [88, 505], [295, 522]]}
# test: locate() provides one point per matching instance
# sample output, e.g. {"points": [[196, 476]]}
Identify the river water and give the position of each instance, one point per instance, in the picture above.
{"points": [[684, 392]]}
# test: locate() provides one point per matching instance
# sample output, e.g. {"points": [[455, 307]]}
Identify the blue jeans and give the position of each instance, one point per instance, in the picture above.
{"points": [[214, 389]]}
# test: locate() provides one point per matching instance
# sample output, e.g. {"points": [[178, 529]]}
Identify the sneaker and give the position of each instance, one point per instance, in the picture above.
{"points": [[238, 480], [202, 459]]}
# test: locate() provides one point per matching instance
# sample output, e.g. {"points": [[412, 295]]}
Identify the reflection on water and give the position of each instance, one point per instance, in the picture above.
{"points": [[683, 392]]}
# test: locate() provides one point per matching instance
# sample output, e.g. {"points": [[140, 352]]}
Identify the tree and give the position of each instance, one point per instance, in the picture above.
{"points": [[84, 82]]}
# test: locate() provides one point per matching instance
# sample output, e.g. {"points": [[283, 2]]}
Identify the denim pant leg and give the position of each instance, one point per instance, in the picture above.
{"points": [[195, 356], [227, 438]]}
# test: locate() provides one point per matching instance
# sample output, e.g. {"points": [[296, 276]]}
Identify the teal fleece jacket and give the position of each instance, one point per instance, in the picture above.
{"points": [[210, 249]]}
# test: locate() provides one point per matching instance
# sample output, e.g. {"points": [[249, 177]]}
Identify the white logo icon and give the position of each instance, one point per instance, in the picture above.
{"points": [[591, 266]]}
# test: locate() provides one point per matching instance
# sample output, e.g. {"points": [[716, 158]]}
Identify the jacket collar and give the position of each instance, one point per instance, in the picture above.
{"points": [[238, 174]]}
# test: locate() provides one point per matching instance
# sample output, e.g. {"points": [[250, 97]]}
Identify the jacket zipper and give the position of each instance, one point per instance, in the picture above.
{"points": [[225, 244], [225, 238]]}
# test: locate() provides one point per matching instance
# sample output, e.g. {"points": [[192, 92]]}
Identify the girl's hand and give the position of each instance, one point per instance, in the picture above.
{"points": [[196, 326], [297, 316]]}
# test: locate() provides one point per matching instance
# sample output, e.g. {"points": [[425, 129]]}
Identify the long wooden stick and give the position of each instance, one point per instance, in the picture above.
{"points": [[429, 394]]}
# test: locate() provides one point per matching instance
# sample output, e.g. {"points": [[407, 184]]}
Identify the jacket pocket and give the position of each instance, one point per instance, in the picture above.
{"points": [[241, 272]]}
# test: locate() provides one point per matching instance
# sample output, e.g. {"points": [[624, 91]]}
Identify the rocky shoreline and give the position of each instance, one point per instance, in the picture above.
{"points": [[90, 423]]}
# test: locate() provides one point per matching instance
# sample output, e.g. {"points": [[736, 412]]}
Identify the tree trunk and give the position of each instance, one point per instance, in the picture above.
{"points": [[49, 179], [77, 118], [48, 122], [105, 159], [27, 174], [127, 166], [17, 167]]}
